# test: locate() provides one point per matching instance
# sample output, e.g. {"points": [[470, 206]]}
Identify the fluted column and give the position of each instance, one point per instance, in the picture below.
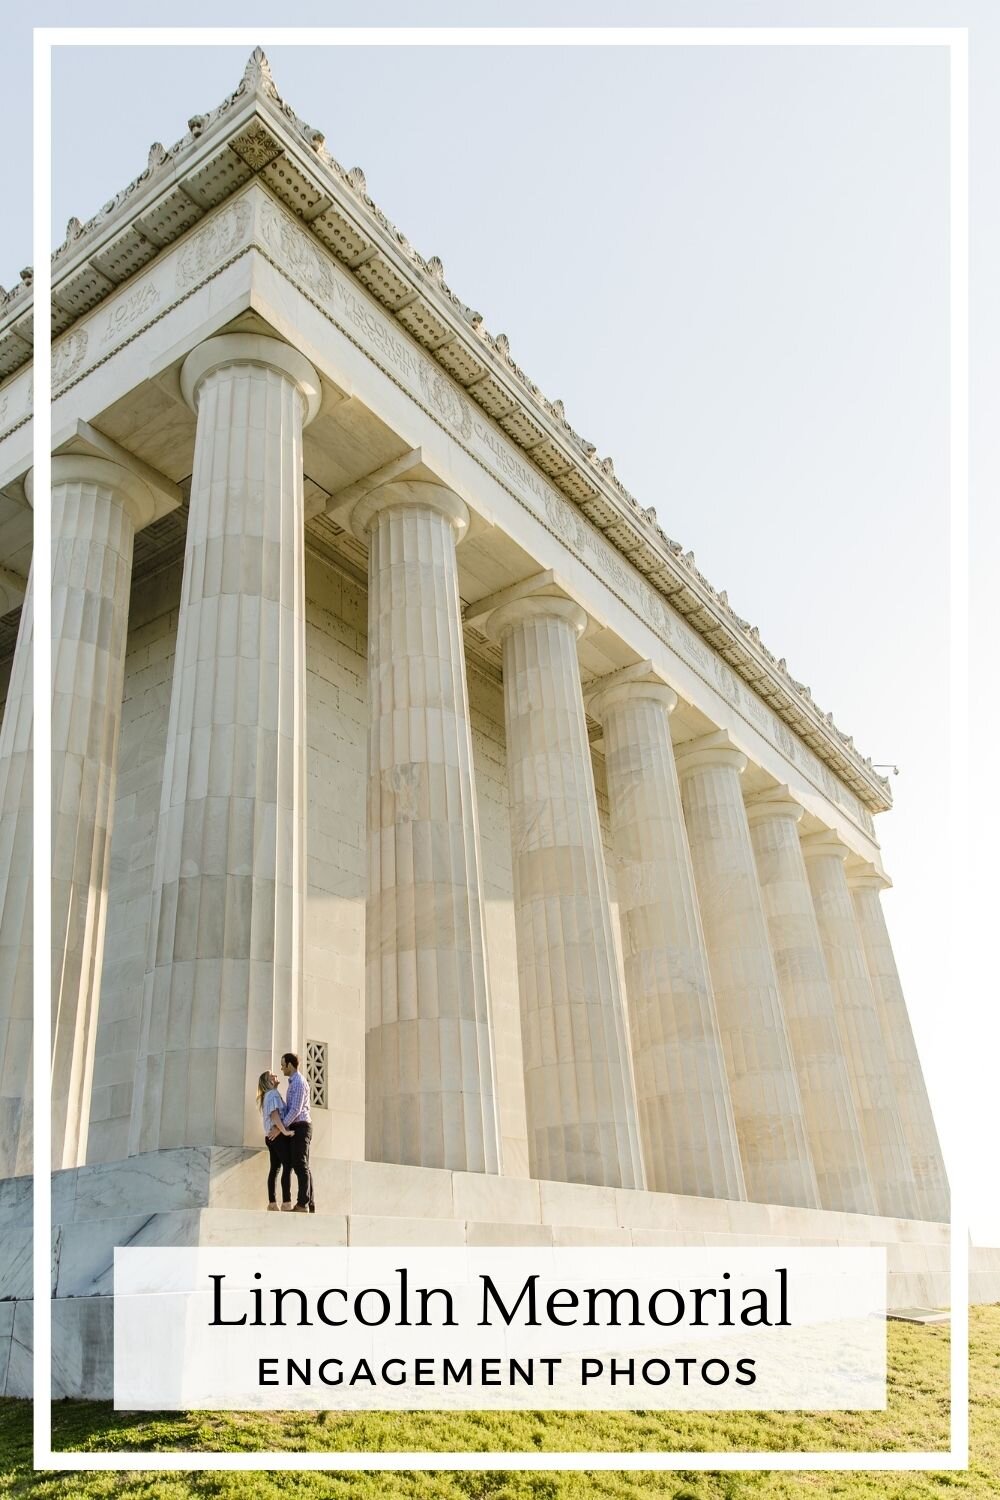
{"points": [[831, 1117], [686, 1122], [867, 1058], [766, 1102], [905, 1071], [15, 899], [580, 1093], [429, 1066], [97, 507], [223, 987]]}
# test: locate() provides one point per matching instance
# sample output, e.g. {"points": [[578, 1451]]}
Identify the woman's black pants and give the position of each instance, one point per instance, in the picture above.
{"points": [[281, 1161]]}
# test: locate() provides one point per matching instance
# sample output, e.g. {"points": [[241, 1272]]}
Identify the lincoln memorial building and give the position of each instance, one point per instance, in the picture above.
{"points": [[389, 728]]}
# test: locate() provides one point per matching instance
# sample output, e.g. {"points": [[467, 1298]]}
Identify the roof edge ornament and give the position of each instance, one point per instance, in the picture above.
{"points": [[257, 75], [258, 79], [258, 83]]}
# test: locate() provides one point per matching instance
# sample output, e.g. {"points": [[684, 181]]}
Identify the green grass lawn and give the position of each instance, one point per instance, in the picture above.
{"points": [[916, 1418]]}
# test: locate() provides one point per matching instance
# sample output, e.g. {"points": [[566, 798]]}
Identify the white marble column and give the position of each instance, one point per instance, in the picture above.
{"points": [[97, 506], [15, 899], [907, 1075], [579, 1088], [766, 1101], [865, 1051], [831, 1117], [223, 989], [430, 1092], [686, 1123]]}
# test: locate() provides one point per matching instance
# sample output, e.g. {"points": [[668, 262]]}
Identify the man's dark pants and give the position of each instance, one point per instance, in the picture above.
{"points": [[299, 1152]]}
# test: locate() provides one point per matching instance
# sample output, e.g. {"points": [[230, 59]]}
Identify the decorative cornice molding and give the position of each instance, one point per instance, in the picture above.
{"points": [[254, 132]]}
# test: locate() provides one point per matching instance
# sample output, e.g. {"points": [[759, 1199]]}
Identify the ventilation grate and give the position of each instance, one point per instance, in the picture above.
{"points": [[317, 1073]]}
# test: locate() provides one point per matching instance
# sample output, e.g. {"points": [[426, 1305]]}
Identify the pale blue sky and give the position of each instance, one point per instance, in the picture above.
{"points": [[732, 266]]}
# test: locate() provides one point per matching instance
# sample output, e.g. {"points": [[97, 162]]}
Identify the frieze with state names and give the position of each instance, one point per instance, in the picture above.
{"points": [[254, 218]]}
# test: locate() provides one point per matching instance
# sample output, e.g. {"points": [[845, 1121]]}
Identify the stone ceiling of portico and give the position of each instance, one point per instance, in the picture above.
{"points": [[254, 133]]}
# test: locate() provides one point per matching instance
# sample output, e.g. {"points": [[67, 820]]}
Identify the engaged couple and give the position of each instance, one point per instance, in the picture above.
{"points": [[288, 1132]]}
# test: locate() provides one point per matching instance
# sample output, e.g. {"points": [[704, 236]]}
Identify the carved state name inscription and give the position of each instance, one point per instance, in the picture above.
{"points": [[299, 256], [256, 218]]}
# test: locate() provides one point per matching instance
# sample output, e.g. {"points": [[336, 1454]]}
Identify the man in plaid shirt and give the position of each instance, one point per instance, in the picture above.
{"points": [[298, 1120]]}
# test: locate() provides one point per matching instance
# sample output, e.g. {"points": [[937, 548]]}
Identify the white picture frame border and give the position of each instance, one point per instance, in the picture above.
{"points": [[955, 40]]}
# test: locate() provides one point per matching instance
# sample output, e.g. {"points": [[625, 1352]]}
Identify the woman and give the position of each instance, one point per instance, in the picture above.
{"points": [[277, 1139]]}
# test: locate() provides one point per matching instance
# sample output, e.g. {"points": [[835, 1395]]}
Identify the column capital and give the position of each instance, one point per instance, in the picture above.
{"points": [[776, 803], [538, 607], [404, 494], [639, 681], [715, 749], [138, 497], [863, 876], [826, 842], [543, 594], [251, 349]]}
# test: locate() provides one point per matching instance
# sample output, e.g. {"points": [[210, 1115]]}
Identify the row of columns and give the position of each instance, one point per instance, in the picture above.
{"points": [[759, 1046]]}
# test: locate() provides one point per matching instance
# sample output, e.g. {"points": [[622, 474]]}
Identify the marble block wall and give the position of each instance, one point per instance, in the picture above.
{"points": [[336, 727], [336, 858]]}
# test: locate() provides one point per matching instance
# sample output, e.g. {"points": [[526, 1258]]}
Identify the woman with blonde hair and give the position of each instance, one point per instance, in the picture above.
{"points": [[277, 1139]]}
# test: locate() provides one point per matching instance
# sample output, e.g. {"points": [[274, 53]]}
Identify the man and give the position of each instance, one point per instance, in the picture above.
{"points": [[298, 1120]]}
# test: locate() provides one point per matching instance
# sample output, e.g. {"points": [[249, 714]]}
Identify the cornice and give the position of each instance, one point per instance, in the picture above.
{"points": [[255, 134]]}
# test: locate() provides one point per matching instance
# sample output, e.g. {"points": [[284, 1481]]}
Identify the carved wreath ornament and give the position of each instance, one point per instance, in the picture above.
{"points": [[565, 522], [213, 243], [445, 400], [67, 356]]}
